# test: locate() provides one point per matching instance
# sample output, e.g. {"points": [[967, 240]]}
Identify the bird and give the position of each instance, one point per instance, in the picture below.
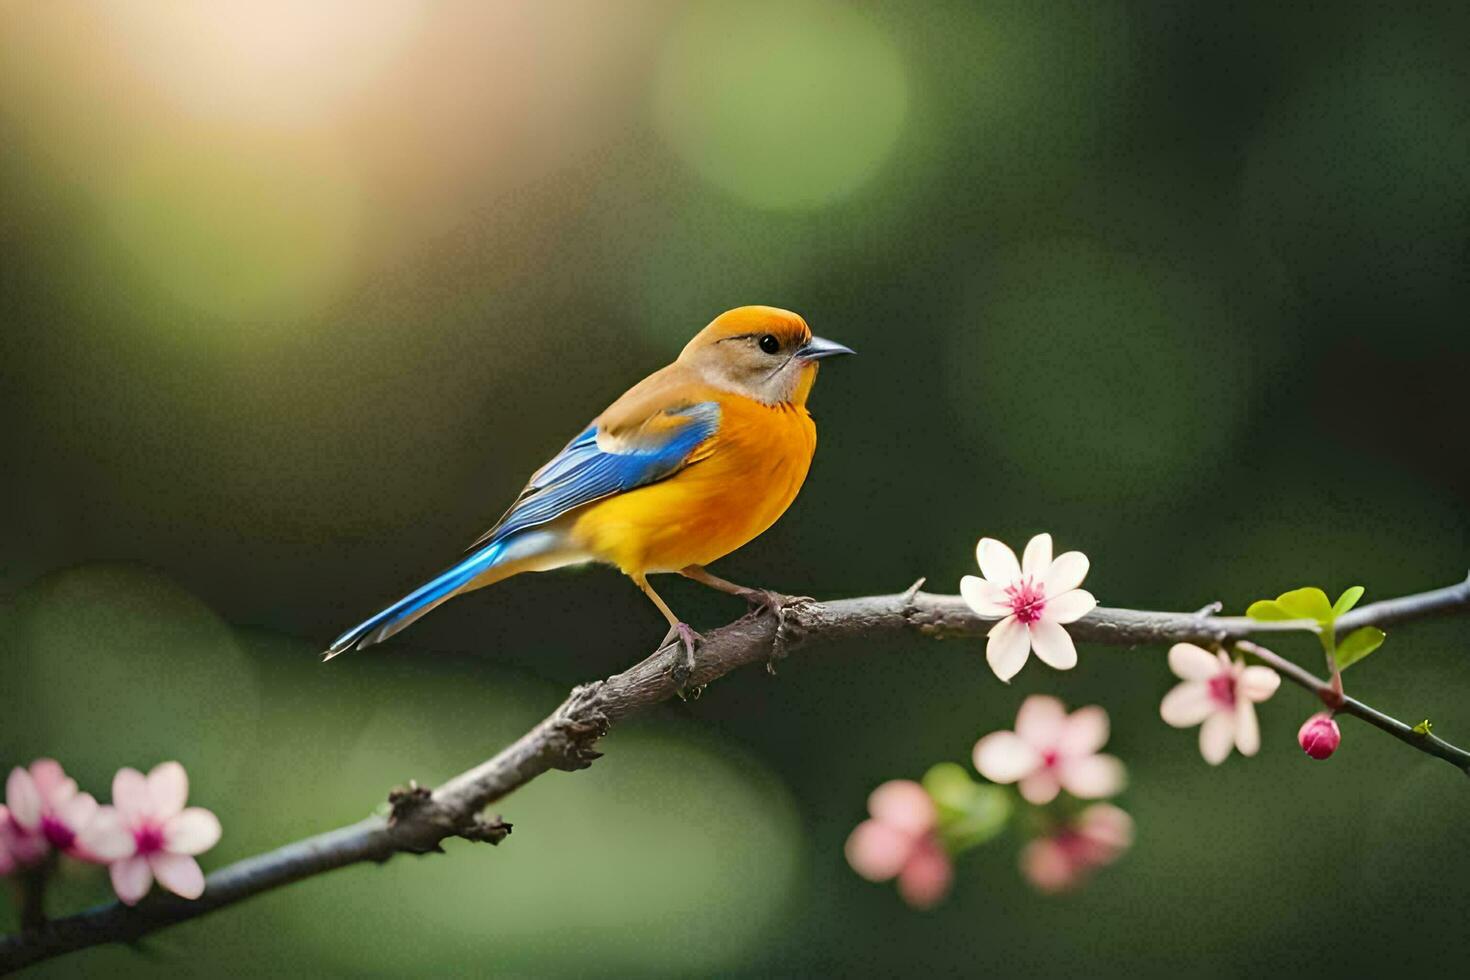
{"points": [[688, 465]]}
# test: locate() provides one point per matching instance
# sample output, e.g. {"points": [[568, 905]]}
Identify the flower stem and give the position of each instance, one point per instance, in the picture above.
{"points": [[1332, 696], [31, 886]]}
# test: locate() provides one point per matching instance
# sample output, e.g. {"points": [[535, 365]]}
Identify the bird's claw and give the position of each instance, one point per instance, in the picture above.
{"points": [[681, 671], [779, 605], [771, 601]]}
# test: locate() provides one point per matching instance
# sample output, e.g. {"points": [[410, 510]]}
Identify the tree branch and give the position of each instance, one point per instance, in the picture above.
{"points": [[1341, 703], [421, 820]]}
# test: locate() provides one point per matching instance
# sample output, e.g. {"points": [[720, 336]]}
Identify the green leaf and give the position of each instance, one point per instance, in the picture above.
{"points": [[970, 813], [986, 817], [1268, 611], [1308, 603], [1424, 727], [1347, 600], [1357, 645], [950, 787]]}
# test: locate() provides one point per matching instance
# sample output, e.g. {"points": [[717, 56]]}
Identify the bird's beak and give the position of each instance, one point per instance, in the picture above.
{"points": [[818, 348]]}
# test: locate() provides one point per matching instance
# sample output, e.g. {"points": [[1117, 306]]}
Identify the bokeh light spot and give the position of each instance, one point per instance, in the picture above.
{"points": [[785, 105], [1107, 373], [110, 665], [623, 851], [233, 236], [272, 61]]}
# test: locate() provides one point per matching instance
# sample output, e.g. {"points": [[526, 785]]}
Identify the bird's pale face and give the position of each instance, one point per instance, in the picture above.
{"points": [[763, 353]]}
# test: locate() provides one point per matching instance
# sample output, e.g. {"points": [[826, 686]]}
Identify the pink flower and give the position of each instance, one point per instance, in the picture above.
{"points": [[8, 862], [46, 810], [901, 841], [1222, 695], [18, 849], [147, 833], [1319, 735], [1033, 600], [1050, 751], [1066, 857]]}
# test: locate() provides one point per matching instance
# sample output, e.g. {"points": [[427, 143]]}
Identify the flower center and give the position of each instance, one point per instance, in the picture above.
{"points": [[1050, 757], [1027, 600], [1222, 690], [149, 838], [59, 834]]}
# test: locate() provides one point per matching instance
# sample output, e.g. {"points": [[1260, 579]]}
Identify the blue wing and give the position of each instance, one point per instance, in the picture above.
{"points": [[579, 474], [584, 471]]}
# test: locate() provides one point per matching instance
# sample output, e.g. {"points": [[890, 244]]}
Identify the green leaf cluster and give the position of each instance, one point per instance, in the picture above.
{"points": [[1312, 604], [970, 812]]}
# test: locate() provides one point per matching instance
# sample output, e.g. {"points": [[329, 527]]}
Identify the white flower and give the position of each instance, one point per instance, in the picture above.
{"points": [[1219, 695], [1051, 750], [1033, 598]]}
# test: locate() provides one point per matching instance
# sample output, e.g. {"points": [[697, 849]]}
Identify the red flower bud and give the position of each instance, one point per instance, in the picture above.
{"points": [[1319, 735]]}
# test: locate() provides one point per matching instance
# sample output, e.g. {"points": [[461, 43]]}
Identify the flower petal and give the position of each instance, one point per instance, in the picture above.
{"points": [[904, 805], [131, 878], [1187, 704], [194, 831], [23, 847], [1108, 827], [1069, 606], [1004, 757], [1192, 663], [23, 798], [1008, 647], [130, 794], [1259, 683], [1066, 573], [1092, 777], [105, 838], [997, 562], [926, 876], [985, 598], [1040, 787], [51, 782], [1042, 720], [877, 851], [77, 812], [1216, 736], [179, 873], [1085, 731], [1037, 557], [168, 788], [1053, 644], [1047, 866], [1247, 729]]}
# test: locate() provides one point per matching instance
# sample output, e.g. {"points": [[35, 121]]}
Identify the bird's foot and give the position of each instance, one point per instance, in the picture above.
{"points": [[771, 601], [682, 669], [778, 604]]}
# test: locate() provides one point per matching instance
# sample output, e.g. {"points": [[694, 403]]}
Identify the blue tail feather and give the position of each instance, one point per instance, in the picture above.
{"points": [[410, 607]]}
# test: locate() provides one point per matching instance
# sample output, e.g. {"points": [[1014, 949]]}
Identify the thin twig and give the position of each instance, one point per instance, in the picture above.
{"points": [[564, 740], [1333, 698], [31, 892]]}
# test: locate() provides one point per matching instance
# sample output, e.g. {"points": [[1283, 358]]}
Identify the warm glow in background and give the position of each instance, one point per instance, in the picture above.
{"points": [[295, 294]]}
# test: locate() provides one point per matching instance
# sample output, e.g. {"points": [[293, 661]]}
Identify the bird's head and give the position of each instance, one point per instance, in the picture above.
{"points": [[760, 352]]}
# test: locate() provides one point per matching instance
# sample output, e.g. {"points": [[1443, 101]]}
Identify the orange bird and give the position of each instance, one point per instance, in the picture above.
{"points": [[688, 465]]}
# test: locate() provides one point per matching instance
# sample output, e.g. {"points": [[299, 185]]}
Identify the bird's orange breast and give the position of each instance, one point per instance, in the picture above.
{"points": [[745, 477]]}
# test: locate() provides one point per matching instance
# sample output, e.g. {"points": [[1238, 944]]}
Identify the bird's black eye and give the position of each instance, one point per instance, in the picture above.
{"points": [[770, 344]]}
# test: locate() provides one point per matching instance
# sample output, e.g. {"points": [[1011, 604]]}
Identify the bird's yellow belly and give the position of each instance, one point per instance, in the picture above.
{"points": [[711, 507]]}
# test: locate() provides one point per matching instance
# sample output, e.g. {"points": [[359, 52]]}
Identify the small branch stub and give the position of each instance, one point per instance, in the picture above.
{"points": [[491, 831]]}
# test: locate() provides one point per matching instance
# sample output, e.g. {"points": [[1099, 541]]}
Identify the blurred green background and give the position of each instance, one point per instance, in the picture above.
{"points": [[294, 296]]}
